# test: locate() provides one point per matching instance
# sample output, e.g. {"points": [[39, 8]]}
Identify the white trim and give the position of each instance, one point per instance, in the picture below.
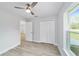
{"points": [[9, 48], [33, 41], [42, 42], [66, 52], [49, 43], [66, 29], [73, 30], [62, 52], [69, 53]]}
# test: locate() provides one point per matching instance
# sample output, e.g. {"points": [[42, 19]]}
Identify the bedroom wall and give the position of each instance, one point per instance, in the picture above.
{"points": [[60, 33], [9, 31]]}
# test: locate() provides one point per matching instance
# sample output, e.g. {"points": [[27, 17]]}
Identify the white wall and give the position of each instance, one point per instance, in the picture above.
{"points": [[59, 32], [9, 31]]}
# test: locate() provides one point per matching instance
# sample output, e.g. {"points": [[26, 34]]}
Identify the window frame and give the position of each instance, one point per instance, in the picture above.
{"points": [[66, 31]]}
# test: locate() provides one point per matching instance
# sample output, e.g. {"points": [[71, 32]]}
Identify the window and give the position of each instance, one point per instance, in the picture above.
{"points": [[71, 29]]}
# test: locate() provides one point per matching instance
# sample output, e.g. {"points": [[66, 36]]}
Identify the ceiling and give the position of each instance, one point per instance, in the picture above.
{"points": [[42, 9]]}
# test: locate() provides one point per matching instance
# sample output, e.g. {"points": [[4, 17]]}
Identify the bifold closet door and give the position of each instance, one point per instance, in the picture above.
{"points": [[47, 32], [29, 31], [44, 31]]}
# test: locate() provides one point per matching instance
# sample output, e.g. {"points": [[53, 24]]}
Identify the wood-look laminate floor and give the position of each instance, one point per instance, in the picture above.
{"points": [[33, 49]]}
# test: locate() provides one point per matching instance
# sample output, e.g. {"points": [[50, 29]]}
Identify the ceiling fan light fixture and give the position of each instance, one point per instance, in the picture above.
{"points": [[28, 7], [28, 10]]}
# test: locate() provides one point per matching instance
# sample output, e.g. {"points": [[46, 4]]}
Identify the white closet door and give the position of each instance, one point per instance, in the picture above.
{"points": [[29, 31], [47, 32], [51, 35], [43, 31]]}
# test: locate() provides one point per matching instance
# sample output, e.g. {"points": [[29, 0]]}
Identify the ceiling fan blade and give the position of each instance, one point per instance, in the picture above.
{"points": [[32, 13], [28, 4], [33, 4], [19, 7]]}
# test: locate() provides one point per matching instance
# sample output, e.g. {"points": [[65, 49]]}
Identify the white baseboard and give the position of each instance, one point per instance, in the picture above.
{"points": [[36, 41], [65, 52], [62, 52], [43, 42], [9, 48], [46, 42], [33, 41], [69, 52]]}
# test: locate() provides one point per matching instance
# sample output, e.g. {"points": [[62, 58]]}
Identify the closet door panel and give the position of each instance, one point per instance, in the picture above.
{"points": [[51, 36], [47, 32], [43, 31]]}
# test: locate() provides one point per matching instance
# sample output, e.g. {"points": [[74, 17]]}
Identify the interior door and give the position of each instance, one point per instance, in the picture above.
{"points": [[51, 31], [43, 31], [47, 31], [29, 31]]}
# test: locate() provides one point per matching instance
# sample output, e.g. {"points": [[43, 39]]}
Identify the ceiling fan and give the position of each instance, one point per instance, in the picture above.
{"points": [[28, 7]]}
